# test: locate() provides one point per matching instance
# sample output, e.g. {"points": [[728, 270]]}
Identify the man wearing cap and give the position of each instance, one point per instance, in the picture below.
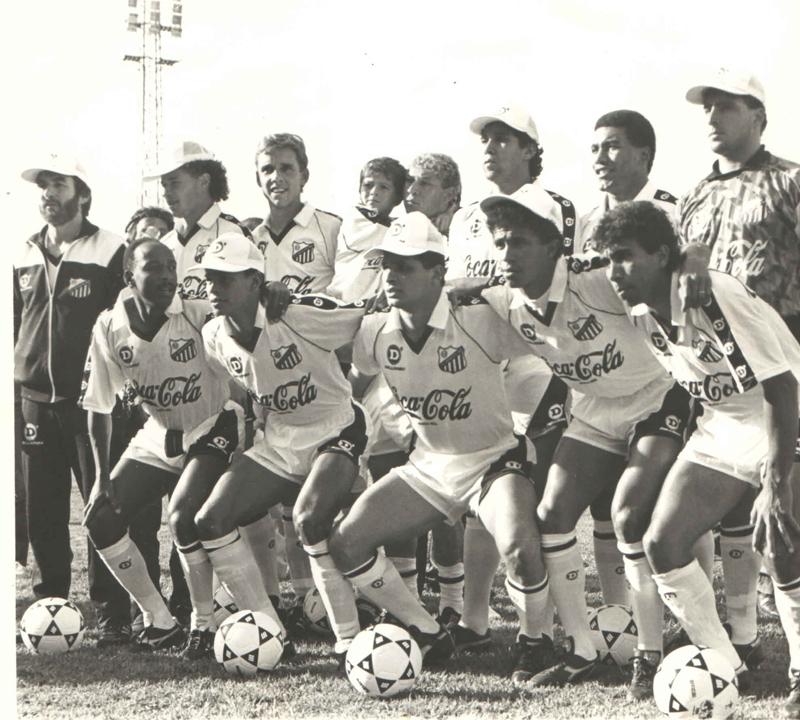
{"points": [[746, 212], [64, 277], [445, 366], [623, 150]]}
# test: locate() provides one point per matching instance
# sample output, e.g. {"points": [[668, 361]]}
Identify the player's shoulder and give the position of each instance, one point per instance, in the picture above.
{"points": [[212, 327], [230, 223], [565, 202], [327, 218], [665, 196]]}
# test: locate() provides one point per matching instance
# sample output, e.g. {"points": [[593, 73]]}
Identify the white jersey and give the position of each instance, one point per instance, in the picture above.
{"points": [[581, 329], [292, 371], [451, 385], [355, 276], [190, 248], [660, 198], [302, 257], [168, 374]]}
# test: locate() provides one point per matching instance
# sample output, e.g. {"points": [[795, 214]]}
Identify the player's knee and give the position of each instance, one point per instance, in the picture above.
{"points": [[182, 525], [663, 550], [521, 555], [210, 523], [630, 523], [553, 519], [311, 526], [105, 527]]}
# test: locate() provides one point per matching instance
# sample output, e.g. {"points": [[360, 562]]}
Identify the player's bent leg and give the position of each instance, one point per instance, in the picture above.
{"points": [[447, 556], [694, 499]]}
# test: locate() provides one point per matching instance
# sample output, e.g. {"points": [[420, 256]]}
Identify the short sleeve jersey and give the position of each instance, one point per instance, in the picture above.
{"points": [[451, 385], [721, 352], [581, 329], [189, 251], [169, 374], [302, 257], [750, 218], [292, 371], [660, 198], [355, 276]]}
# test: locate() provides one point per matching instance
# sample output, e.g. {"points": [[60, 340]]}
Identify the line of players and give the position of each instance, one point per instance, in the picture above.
{"points": [[445, 363]]}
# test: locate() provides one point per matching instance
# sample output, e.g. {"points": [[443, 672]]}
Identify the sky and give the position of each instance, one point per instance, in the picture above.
{"points": [[358, 81]]}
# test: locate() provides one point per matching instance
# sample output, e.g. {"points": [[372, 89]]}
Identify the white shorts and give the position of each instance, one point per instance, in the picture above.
{"points": [[391, 426], [148, 445], [455, 484], [289, 451], [612, 424]]}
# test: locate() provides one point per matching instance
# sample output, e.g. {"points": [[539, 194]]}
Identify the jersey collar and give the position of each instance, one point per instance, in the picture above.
{"points": [[437, 321], [554, 294], [119, 318], [758, 158], [209, 217], [648, 192]]}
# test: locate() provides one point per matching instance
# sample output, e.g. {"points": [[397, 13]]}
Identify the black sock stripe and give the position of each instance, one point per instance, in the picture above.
{"points": [[791, 585], [528, 590], [408, 573], [189, 548], [450, 580], [557, 548], [364, 567], [736, 532], [238, 537], [634, 556], [604, 535]]}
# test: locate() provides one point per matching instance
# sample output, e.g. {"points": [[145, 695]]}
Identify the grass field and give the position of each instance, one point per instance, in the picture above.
{"points": [[119, 684]]}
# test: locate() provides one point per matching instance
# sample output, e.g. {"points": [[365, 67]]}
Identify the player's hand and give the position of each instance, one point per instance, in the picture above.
{"points": [[694, 282], [275, 297], [377, 302], [772, 517], [102, 491]]}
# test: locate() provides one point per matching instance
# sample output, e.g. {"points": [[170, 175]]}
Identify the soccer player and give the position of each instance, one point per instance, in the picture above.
{"points": [[149, 348], [434, 189], [314, 435], [739, 359], [445, 367], [150, 221], [746, 213], [623, 150], [628, 418]]}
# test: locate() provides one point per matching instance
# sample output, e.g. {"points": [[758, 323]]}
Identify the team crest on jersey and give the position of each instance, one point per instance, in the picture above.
{"points": [[585, 328], [286, 357], [452, 359], [79, 287], [706, 349], [182, 349], [303, 251], [126, 354], [199, 252], [394, 353], [24, 281], [235, 365]]}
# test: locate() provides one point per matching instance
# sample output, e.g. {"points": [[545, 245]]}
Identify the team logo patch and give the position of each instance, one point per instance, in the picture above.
{"points": [[719, 325], [235, 364], [672, 422], [345, 445], [182, 349], [79, 287], [513, 465], [303, 251], [220, 442], [529, 331], [585, 328], [452, 359], [199, 252], [286, 357], [24, 281], [31, 432], [735, 554], [394, 354], [659, 342], [555, 412], [396, 228], [706, 349], [572, 575], [126, 354]]}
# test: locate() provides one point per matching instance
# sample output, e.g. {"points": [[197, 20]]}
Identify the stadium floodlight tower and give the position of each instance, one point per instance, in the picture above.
{"points": [[144, 19]]}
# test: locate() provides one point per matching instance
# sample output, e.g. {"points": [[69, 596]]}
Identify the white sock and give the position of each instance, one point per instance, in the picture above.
{"points": [[379, 582], [703, 550], [530, 602], [787, 600], [562, 558], [451, 586], [687, 592], [740, 564], [198, 573], [235, 565], [648, 610], [127, 565], [335, 590], [260, 536], [407, 567], [610, 566], [481, 561], [299, 567]]}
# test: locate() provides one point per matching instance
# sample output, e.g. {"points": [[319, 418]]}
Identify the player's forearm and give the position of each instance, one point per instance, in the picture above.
{"points": [[468, 285], [359, 382], [100, 438], [780, 399]]}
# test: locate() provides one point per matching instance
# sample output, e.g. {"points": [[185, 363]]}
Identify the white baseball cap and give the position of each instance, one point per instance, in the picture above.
{"points": [[729, 81], [231, 252], [57, 163], [412, 234], [185, 152], [532, 198], [514, 117]]}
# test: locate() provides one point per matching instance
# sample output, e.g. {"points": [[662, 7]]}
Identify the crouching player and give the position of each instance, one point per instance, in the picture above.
{"points": [[738, 358], [445, 367], [311, 454], [149, 346]]}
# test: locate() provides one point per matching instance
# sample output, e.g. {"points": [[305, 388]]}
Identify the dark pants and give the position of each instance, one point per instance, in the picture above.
{"points": [[20, 516]]}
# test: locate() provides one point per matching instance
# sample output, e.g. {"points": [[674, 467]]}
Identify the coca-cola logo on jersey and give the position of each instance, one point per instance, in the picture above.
{"points": [[480, 268], [289, 396], [172, 391], [297, 284], [591, 366], [712, 388], [193, 288], [437, 404]]}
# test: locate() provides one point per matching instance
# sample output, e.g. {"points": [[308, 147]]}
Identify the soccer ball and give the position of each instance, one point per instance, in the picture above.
{"points": [[614, 634], [248, 643], [315, 613], [383, 660], [224, 605], [52, 625], [696, 682]]}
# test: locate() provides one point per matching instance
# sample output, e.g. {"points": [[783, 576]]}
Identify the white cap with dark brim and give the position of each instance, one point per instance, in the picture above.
{"points": [[514, 117], [185, 152], [532, 198], [59, 164], [412, 234], [231, 252]]}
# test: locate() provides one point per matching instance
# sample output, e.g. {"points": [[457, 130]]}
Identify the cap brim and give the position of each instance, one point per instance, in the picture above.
{"points": [[32, 174], [222, 266], [695, 94], [399, 249], [492, 200], [167, 168]]}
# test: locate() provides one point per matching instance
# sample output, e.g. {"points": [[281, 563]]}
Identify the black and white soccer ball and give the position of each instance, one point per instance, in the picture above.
{"points": [[248, 643], [694, 682], [224, 605], [383, 660], [315, 614], [52, 625], [614, 634]]}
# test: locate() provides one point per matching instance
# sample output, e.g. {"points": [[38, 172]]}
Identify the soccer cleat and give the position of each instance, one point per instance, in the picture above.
{"points": [[569, 670], [530, 657], [182, 614], [448, 617], [386, 617], [751, 654], [467, 640], [153, 638], [367, 612], [791, 708], [200, 645], [436, 647], [294, 620], [678, 640], [112, 634], [644, 670], [289, 651]]}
